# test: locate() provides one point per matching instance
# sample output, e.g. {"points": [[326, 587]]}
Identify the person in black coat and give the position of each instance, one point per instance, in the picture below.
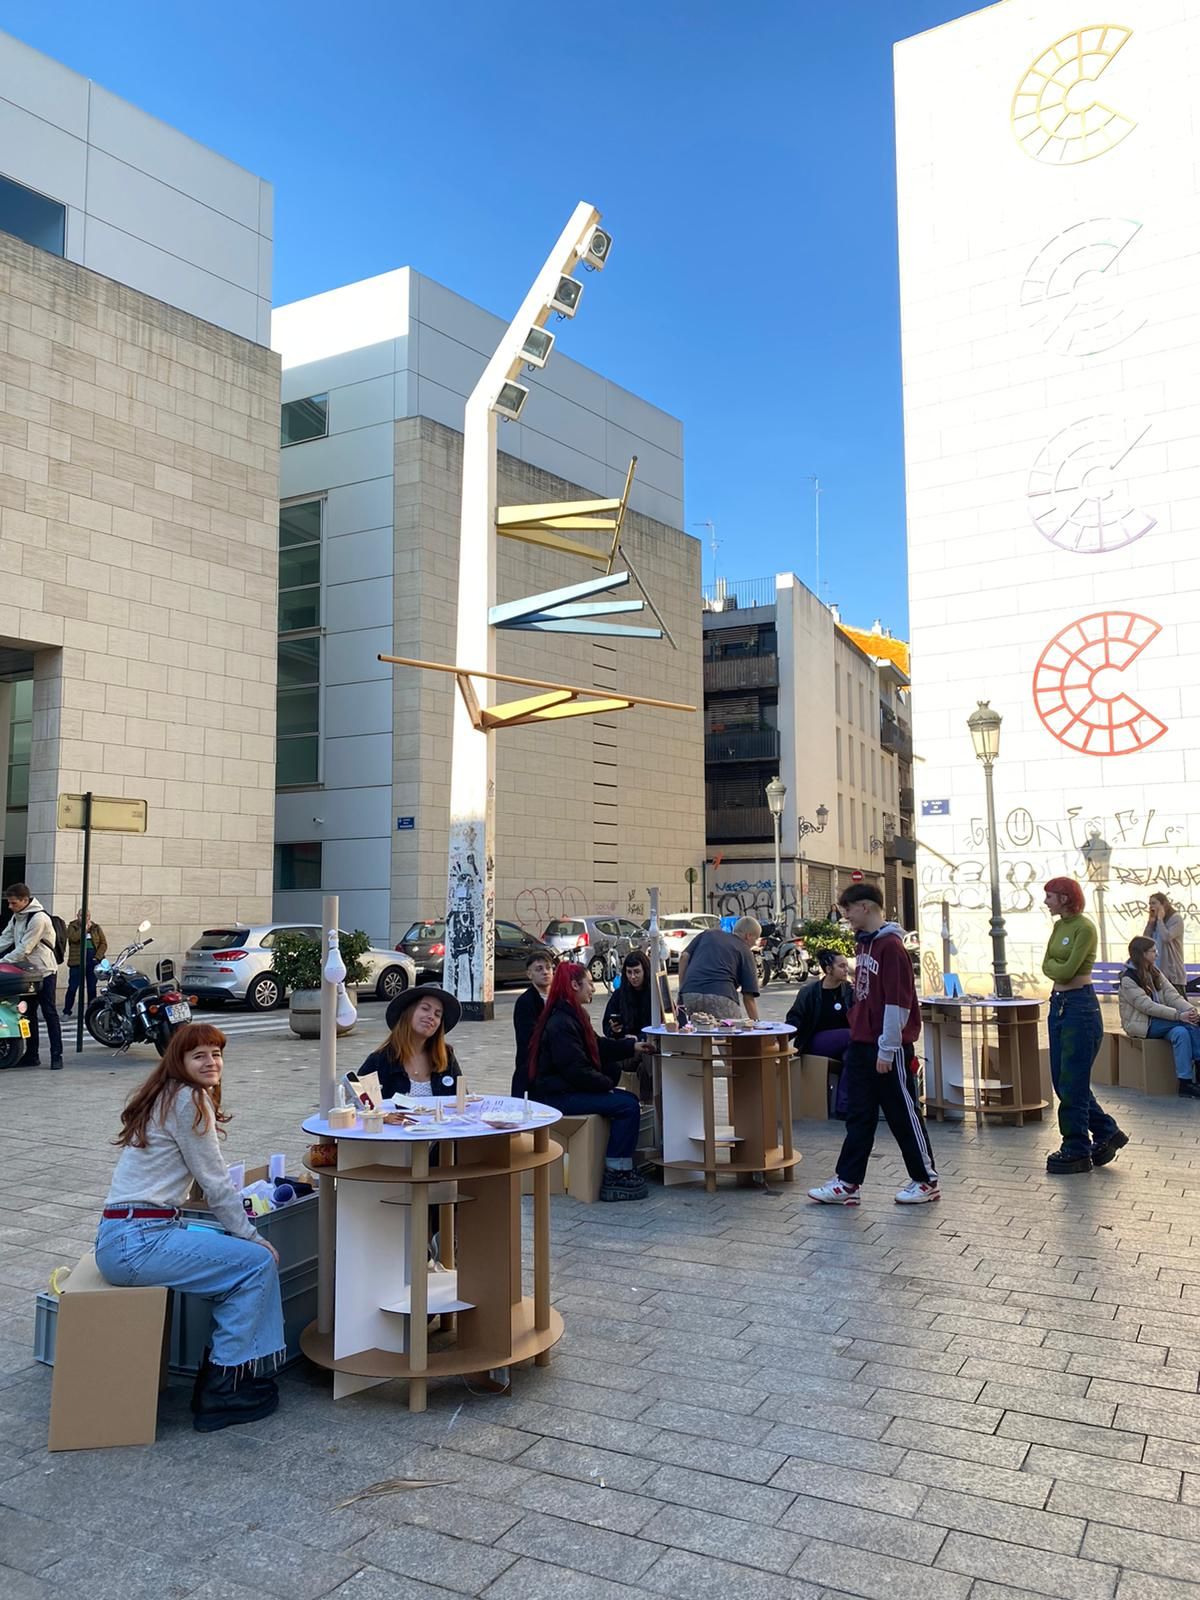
{"points": [[628, 1011], [576, 1071], [539, 969], [820, 1012], [415, 1058]]}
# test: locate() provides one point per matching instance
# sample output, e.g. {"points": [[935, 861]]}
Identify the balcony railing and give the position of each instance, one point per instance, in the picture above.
{"points": [[901, 849], [907, 801], [753, 744], [739, 822], [894, 738], [742, 595], [742, 672]]}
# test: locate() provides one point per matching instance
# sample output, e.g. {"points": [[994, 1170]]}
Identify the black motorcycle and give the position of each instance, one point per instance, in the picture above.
{"points": [[781, 957], [135, 1009]]}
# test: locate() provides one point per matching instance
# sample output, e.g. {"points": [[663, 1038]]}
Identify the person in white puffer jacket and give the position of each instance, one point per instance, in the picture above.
{"points": [[28, 942], [1152, 1008]]}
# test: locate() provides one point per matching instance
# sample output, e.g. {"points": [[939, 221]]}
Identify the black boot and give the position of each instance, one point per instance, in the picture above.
{"points": [[226, 1397], [1189, 1088]]}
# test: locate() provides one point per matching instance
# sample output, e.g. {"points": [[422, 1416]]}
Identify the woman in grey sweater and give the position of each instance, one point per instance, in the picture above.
{"points": [[170, 1132], [1165, 927]]}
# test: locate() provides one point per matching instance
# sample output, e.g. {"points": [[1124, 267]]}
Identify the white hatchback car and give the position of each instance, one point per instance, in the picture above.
{"points": [[233, 963], [679, 929]]}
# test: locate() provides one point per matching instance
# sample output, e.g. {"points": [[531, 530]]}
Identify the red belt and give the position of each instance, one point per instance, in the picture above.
{"points": [[137, 1213]]}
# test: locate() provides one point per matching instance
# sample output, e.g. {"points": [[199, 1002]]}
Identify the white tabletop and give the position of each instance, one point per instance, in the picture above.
{"points": [[991, 1001], [720, 1032], [452, 1126]]}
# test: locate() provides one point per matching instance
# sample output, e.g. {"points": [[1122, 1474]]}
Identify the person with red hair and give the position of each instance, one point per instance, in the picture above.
{"points": [[1090, 1137], [576, 1071]]}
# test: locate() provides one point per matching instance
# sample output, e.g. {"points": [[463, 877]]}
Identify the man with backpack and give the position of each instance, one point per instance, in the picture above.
{"points": [[31, 940]]}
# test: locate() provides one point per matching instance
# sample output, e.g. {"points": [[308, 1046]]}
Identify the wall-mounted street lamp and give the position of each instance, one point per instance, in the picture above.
{"points": [[776, 795], [1097, 852], [984, 724], [804, 827]]}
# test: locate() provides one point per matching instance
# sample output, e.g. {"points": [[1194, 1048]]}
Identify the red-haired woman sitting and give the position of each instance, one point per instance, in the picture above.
{"points": [[573, 1069], [169, 1136]]}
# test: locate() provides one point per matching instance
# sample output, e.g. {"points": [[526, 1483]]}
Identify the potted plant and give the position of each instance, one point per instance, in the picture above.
{"points": [[297, 962]]}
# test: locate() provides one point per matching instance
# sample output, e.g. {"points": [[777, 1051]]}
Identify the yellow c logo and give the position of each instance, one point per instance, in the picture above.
{"points": [[1056, 116]]}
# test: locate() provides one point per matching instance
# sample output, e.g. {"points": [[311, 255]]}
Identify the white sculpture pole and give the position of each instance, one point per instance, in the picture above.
{"points": [[468, 970], [329, 1001]]}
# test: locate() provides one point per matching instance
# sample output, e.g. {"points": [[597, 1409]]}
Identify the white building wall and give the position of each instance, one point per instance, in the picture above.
{"points": [[1052, 411], [146, 205], [390, 347]]}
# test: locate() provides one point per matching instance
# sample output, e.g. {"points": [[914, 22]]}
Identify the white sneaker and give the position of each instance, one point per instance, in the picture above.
{"points": [[836, 1193], [917, 1194]]}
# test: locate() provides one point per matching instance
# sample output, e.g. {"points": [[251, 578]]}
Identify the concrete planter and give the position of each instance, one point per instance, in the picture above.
{"points": [[304, 1012]]}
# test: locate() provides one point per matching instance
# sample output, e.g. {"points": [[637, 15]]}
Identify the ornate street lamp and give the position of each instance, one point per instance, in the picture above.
{"points": [[803, 828], [984, 724], [1097, 852], [776, 795]]}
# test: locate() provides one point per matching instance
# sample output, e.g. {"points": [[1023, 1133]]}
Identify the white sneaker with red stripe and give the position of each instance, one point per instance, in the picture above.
{"points": [[836, 1193], [917, 1194]]}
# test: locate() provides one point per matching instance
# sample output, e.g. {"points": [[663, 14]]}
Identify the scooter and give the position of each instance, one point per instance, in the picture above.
{"points": [[135, 1009], [15, 985], [783, 958]]}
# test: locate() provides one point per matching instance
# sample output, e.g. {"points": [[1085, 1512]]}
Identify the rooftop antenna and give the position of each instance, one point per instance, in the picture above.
{"points": [[713, 545]]}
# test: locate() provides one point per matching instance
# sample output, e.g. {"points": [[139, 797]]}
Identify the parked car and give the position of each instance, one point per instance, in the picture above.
{"points": [[586, 939], [425, 945], [233, 963], [679, 929]]}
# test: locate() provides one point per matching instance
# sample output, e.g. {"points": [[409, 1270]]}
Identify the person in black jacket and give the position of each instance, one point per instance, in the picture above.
{"points": [[574, 1070], [628, 1012], [539, 969], [820, 1012], [415, 1058]]}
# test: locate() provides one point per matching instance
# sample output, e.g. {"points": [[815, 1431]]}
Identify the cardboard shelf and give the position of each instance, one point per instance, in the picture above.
{"points": [[466, 1172], [441, 1296], [527, 1342]]}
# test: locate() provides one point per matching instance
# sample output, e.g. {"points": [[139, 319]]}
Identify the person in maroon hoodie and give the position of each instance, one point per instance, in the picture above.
{"points": [[884, 1023]]}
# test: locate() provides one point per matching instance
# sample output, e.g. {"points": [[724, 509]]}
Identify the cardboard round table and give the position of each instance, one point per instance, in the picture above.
{"points": [[756, 1062], [376, 1285]]}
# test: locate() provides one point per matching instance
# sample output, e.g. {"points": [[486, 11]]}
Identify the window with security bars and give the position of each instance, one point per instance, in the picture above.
{"points": [[298, 690]]}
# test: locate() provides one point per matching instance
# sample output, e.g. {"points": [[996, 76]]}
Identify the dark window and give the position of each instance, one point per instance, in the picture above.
{"points": [[300, 420], [222, 939], [298, 866], [33, 217], [420, 931]]}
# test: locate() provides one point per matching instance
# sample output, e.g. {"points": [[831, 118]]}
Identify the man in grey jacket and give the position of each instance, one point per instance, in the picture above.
{"points": [[28, 942]]}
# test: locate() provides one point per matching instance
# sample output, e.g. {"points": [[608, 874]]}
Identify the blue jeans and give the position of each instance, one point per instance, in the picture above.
{"points": [[73, 984], [623, 1110], [1184, 1039], [240, 1278], [1076, 1034]]}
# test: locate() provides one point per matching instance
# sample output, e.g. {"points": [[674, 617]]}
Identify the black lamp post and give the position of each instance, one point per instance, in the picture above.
{"points": [[984, 724]]}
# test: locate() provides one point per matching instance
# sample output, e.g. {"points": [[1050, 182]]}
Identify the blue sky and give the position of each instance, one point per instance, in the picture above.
{"points": [[742, 156]]}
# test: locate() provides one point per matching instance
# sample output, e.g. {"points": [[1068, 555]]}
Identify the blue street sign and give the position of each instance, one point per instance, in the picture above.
{"points": [[935, 808], [405, 823]]}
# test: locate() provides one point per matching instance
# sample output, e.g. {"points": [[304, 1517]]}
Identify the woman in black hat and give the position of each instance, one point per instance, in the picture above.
{"points": [[415, 1059]]}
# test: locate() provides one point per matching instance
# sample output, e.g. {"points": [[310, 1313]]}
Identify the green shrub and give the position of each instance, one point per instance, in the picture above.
{"points": [[819, 933], [297, 960]]}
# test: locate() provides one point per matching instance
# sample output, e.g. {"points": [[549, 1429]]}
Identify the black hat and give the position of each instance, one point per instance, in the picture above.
{"points": [[451, 1009]]}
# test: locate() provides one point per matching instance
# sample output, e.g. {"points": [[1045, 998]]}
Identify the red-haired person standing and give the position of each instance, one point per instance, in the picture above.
{"points": [[1090, 1137]]}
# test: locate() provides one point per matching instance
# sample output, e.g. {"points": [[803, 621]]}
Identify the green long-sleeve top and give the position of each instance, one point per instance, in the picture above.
{"points": [[1072, 949]]}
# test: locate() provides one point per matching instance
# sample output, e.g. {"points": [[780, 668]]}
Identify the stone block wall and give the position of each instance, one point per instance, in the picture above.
{"points": [[138, 545]]}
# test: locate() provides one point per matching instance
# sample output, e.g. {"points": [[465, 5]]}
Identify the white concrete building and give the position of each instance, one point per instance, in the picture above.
{"points": [[1050, 235], [375, 376]]}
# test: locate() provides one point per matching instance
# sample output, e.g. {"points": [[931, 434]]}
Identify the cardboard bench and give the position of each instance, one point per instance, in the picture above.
{"points": [[1146, 1066], [810, 1086], [581, 1170], [110, 1362]]}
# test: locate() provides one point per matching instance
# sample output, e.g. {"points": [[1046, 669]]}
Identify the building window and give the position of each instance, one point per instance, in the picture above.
{"points": [[841, 821], [298, 712], [20, 737], [837, 690], [853, 827], [298, 866], [301, 420], [38, 220], [300, 566], [850, 753], [837, 735]]}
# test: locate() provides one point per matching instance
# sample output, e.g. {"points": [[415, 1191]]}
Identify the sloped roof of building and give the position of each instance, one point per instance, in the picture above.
{"points": [[879, 645]]}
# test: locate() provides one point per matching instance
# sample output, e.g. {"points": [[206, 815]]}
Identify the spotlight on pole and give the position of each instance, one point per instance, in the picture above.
{"points": [[535, 352], [511, 400], [565, 299], [594, 248]]}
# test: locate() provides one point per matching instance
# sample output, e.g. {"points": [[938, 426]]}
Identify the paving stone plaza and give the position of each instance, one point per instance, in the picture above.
{"points": [[755, 1396]]}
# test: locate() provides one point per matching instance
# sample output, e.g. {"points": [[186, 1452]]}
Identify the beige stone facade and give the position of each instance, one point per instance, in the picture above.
{"points": [[138, 542], [589, 811]]}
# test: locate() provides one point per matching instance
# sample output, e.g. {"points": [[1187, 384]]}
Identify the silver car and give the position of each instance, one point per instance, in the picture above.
{"points": [[679, 929], [587, 939], [234, 963]]}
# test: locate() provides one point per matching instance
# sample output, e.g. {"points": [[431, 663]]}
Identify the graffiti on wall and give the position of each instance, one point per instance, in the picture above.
{"points": [[541, 903], [743, 898]]}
